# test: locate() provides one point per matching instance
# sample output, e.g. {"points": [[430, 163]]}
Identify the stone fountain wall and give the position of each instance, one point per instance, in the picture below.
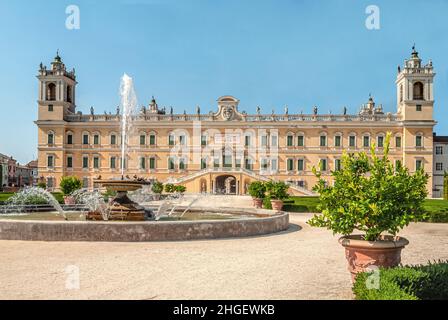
{"points": [[140, 231]]}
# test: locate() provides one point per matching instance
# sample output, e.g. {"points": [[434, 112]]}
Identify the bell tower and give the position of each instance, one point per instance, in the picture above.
{"points": [[415, 94], [56, 97]]}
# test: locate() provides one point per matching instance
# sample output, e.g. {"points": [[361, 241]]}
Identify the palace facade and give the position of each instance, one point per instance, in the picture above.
{"points": [[223, 151]]}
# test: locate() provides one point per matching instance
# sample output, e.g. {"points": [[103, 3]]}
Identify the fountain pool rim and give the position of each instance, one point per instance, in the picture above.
{"points": [[130, 231]]}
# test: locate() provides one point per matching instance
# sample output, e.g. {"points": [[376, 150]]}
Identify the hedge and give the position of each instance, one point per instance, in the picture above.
{"points": [[420, 282]]}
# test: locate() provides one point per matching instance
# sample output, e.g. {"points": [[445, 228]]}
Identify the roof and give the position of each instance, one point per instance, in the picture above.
{"points": [[441, 139]]}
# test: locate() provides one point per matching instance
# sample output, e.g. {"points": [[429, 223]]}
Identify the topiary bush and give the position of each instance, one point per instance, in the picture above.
{"points": [[421, 282], [69, 184], [180, 189], [157, 187], [170, 188]]}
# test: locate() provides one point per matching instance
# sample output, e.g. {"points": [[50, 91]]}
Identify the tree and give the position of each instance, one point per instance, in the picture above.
{"points": [[69, 184], [371, 195]]}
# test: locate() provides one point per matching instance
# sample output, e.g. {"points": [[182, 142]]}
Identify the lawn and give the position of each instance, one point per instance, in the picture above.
{"points": [[437, 210], [4, 196]]}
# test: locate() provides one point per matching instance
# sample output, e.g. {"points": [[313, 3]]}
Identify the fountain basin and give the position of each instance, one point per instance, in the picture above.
{"points": [[118, 231]]}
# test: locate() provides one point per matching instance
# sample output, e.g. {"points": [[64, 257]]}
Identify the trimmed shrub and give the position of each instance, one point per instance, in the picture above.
{"points": [[180, 189], [157, 187], [170, 188], [421, 282], [70, 184], [257, 189]]}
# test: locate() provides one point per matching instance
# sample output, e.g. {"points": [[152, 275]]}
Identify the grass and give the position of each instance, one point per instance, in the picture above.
{"points": [[437, 210], [4, 196]]}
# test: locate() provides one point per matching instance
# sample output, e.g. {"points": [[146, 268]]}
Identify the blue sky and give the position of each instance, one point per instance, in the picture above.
{"points": [[190, 52]]}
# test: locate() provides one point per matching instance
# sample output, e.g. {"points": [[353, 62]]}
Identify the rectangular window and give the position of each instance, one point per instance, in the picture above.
{"points": [[439, 150], [171, 140], [203, 163], [85, 183], [264, 141], [96, 139], [96, 162], [300, 141], [50, 161], [352, 141], [300, 165], [237, 163], [337, 164], [152, 140], [418, 141], [418, 107], [398, 142], [171, 164], [182, 140], [227, 161], [50, 138], [50, 182], [203, 140], [69, 162], [85, 162], [248, 164], [142, 139], [152, 163], [380, 141], [182, 164], [366, 141], [323, 141], [264, 164], [439, 166], [113, 139], [323, 164], [274, 166], [274, 140], [70, 139], [50, 108], [113, 161], [216, 162], [247, 141], [289, 141], [418, 164], [290, 165], [337, 141], [85, 139], [142, 163]]}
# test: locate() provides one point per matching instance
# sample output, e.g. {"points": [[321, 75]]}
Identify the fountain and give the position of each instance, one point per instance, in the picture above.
{"points": [[121, 207]]}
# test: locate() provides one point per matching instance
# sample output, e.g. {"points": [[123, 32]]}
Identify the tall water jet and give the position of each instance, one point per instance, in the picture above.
{"points": [[128, 108]]}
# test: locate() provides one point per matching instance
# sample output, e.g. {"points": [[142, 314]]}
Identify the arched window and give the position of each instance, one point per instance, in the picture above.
{"points": [[418, 91], [51, 92], [69, 94]]}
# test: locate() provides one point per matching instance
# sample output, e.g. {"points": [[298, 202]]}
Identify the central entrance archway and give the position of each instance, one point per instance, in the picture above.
{"points": [[225, 184]]}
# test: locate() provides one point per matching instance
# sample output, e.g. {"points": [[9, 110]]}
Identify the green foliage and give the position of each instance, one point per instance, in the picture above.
{"points": [[109, 194], [42, 185], [267, 203], [257, 189], [69, 184], [371, 195], [277, 190], [180, 189], [157, 187], [422, 282], [170, 188]]}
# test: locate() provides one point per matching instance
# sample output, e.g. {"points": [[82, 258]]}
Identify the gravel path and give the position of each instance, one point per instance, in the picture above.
{"points": [[301, 263]]}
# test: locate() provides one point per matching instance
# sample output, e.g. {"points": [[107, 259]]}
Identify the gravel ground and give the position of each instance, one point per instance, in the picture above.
{"points": [[301, 263]]}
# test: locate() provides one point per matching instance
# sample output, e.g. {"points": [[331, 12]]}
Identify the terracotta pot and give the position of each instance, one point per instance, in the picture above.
{"points": [[362, 254], [69, 200], [277, 205], [258, 203]]}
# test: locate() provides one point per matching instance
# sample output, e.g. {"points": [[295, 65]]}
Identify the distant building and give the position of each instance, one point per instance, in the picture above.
{"points": [[440, 164], [3, 170]]}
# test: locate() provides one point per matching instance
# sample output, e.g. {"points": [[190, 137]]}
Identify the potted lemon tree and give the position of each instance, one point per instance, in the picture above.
{"points": [[157, 189], [277, 191], [257, 191], [375, 197]]}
